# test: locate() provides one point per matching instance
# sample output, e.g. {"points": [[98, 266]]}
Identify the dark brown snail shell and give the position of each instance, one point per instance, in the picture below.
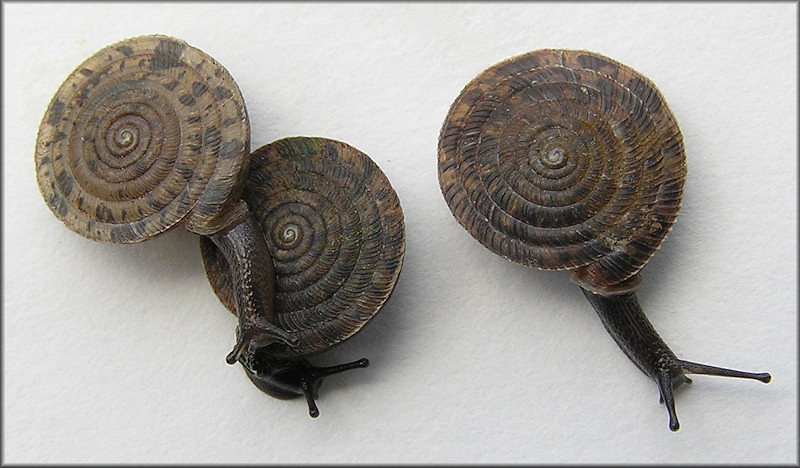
{"points": [[146, 134], [335, 231], [569, 160], [564, 160]]}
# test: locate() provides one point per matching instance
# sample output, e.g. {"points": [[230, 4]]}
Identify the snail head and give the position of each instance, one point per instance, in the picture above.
{"points": [[258, 333], [287, 379]]}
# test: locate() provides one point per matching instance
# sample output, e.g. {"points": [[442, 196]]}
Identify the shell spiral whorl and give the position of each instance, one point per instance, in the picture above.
{"points": [[563, 159], [335, 230], [145, 134]]}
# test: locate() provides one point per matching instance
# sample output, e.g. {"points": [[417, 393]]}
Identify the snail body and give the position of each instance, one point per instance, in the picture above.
{"points": [[569, 160], [149, 134], [335, 234]]}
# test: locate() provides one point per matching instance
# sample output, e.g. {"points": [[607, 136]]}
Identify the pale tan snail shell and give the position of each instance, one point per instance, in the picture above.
{"points": [[146, 134]]}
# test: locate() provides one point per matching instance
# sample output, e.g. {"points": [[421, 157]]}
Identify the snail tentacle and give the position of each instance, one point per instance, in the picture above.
{"points": [[625, 321], [311, 378], [696, 368], [666, 396]]}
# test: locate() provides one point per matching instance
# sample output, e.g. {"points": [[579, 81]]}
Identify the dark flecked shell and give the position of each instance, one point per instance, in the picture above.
{"points": [[145, 134], [335, 230], [564, 159]]}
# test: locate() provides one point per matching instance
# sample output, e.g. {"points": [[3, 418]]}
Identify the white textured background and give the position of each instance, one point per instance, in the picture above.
{"points": [[116, 353]]}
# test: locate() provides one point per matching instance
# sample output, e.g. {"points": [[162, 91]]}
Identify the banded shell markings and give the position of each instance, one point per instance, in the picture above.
{"points": [[335, 230], [552, 158], [145, 134]]}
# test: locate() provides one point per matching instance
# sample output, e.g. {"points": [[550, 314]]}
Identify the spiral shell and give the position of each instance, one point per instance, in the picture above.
{"points": [[562, 159], [335, 229], [145, 134]]}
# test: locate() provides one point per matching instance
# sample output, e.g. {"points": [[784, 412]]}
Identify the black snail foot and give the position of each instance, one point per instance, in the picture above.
{"points": [[291, 379]]}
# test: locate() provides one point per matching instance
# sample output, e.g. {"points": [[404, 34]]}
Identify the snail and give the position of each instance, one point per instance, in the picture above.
{"points": [[569, 160], [148, 134], [335, 232]]}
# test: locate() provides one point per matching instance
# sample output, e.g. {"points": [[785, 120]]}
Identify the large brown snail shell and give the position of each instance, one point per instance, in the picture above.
{"points": [[335, 230], [146, 134], [563, 159]]}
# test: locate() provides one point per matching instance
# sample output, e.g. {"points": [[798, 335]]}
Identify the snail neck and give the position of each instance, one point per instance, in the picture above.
{"points": [[253, 278], [625, 321], [286, 379]]}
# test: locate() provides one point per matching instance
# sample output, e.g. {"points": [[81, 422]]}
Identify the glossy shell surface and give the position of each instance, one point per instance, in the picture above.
{"points": [[335, 230], [147, 133], [564, 159]]}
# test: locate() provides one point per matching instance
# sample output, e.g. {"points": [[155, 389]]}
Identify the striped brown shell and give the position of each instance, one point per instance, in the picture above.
{"points": [[335, 230], [147, 133], [564, 159]]}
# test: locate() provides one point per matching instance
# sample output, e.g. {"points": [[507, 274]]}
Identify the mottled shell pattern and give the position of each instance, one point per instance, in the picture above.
{"points": [[565, 159], [147, 133], [335, 230]]}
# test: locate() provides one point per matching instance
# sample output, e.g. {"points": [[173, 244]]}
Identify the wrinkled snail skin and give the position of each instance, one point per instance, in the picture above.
{"points": [[569, 160], [334, 233], [148, 134], [246, 252]]}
